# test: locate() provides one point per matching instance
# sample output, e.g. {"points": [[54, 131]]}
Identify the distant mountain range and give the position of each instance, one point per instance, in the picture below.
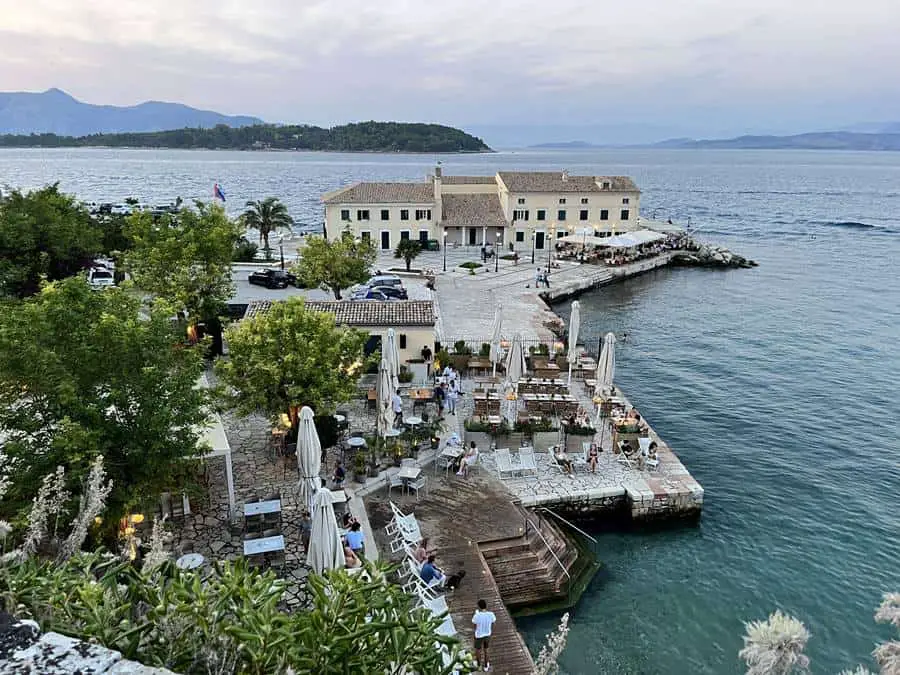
{"points": [[54, 111], [822, 140]]}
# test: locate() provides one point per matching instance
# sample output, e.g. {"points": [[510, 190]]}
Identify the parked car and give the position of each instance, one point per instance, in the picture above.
{"points": [[384, 280], [379, 293], [272, 278], [100, 277], [432, 245]]}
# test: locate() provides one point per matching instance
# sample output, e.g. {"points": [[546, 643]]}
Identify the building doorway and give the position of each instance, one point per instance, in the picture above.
{"points": [[539, 240], [385, 241], [473, 236]]}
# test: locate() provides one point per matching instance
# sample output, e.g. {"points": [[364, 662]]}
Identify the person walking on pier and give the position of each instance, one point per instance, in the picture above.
{"points": [[484, 625]]}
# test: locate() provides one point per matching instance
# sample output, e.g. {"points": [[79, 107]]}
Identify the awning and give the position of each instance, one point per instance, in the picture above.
{"points": [[631, 239], [584, 240]]}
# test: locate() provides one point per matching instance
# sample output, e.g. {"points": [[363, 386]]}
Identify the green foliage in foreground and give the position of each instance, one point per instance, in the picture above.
{"points": [[82, 374], [230, 621], [288, 357], [44, 234], [361, 137], [185, 258]]}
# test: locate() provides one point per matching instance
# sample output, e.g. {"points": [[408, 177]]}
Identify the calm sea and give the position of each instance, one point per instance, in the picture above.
{"points": [[777, 386]]}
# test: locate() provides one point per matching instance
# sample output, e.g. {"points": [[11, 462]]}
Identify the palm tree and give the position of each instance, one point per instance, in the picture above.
{"points": [[266, 216]]}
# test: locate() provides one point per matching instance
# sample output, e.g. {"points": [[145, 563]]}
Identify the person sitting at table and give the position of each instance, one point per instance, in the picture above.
{"points": [[347, 520], [351, 560], [337, 478], [469, 459], [431, 574], [563, 460], [355, 539], [593, 457]]}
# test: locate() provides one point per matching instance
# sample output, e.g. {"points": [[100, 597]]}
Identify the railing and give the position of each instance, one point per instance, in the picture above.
{"points": [[563, 520], [549, 548]]}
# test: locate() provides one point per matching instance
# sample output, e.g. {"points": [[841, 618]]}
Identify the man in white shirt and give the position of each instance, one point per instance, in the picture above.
{"points": [[397, 405], [484, 624]]}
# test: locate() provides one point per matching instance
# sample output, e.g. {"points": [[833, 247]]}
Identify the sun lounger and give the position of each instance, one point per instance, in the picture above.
{"points": [[527, 461], [505, 464]]}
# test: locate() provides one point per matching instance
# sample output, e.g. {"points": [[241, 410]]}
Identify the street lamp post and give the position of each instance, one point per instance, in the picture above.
{"points": [[445, 249], [281, 250], [550, 245], [497, 254], [533, 237]]}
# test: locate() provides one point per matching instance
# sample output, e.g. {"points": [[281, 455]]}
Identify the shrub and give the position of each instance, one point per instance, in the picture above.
{"points": [[405, 375], [485, 350], [460, 347], [244, 250], [471, 265]]}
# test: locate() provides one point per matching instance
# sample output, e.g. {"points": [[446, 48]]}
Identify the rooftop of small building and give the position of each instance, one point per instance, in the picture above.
{"points": [[472, 210], [364, 313], [382, 193], [469, 180], [562, 181]]}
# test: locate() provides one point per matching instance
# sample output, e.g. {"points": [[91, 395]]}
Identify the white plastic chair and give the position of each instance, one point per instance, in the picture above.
{"points": [[396, 482], [419, 484], [527, 460]]}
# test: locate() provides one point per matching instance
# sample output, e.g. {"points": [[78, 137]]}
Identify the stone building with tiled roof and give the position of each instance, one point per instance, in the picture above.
{"points": [[412, 320], [522, 209]]}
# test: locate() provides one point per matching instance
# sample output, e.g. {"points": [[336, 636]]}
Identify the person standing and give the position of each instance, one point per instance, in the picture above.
{"points": [[426, 357], [484, 625], [440, 397], [397, 405], [452, 396]]}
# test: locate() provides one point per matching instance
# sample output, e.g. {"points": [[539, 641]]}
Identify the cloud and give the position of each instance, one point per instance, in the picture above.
{"points": [[461, 61]]}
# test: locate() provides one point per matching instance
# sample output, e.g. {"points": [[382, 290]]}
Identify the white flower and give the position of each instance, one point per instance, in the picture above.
{"points": [[157, 554], [5, 529], [92, 504], [547, 660]]}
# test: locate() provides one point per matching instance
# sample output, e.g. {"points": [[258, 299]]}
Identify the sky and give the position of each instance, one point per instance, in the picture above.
{"points": [[676, 67]]}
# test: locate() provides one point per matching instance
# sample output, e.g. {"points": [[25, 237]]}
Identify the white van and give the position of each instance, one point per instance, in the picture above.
{"points": [[100, 277]]}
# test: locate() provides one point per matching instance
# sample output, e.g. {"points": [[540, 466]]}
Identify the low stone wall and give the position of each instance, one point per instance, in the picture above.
{"points": [[622, 506], [650, 507], [596, 276]]}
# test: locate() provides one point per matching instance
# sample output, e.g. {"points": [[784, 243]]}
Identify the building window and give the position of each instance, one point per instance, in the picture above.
{"points": [[365, 235], [606, 185], [562, 200], [345, 214], [404, 235], [362, 214], [561, 233], [541, 214], [604, 214], [521, 200], [404, 214], [624, 214], [520, 236], [584, 200], [402, 340], [423, 214], [385, 214], [582, 215], [561, 214], [520, 214], [423, 237], [625, 200]]}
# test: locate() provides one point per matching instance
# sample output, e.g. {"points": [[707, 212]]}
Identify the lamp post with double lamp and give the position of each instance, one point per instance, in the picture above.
{"points": [[444, 245], [533, 237]]}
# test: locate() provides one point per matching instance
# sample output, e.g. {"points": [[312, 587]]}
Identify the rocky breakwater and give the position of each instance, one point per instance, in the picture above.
{"points": [[705, 255]]}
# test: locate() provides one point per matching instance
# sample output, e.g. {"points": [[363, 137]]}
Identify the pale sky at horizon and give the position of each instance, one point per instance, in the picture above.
{"points": [[726, 65]]}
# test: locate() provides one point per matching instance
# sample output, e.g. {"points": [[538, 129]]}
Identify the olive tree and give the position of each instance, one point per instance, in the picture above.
{"points": [[335, 265]]}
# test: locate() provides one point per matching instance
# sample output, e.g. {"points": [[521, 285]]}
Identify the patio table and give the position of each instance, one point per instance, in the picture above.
{"points": [[260, 508], [264, 545], [190, 561], [409, 473]]}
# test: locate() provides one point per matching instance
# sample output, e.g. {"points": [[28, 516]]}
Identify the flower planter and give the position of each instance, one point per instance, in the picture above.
{"points": [[543, 440]]}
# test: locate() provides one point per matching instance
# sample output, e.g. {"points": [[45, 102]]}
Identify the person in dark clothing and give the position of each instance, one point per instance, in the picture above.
{"points": [[440, 398]]}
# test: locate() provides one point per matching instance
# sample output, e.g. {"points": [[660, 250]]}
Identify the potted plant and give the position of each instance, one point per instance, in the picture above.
{"points": [[372, 471], [359, 467], [485, 350]]}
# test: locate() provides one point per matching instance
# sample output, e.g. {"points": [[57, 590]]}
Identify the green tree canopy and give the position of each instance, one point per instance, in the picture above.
{"points": [[86, 373], [185, 258], [266, 217], [288, 357], [43, 234], [335, 265], [409, 250]]}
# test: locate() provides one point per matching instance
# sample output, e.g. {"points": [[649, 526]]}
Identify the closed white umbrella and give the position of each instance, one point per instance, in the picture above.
{"points": [[574, 327], [325, 549], [384, 393], [515, 361], [309, 456], [392, 353], [606, 365], [495, 337]]}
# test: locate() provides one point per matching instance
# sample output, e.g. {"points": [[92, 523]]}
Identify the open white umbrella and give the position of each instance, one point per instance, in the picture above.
{"points": [[309, 456], [392, 353], [384, 392], [606, 365], [325, 549], [574, 327], [496, 327]]}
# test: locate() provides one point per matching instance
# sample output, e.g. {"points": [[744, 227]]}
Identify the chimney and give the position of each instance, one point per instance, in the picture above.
{"points": [[565, 176], [438, 197]]}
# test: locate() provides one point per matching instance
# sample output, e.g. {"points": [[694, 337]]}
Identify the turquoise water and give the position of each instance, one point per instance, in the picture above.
{"points": [[776, 386]]}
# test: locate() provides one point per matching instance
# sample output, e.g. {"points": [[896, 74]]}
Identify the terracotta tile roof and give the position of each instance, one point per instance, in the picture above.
{"points": [[474, 210], [364, 313], [559, 181], [382, 193], [469, 180]]}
